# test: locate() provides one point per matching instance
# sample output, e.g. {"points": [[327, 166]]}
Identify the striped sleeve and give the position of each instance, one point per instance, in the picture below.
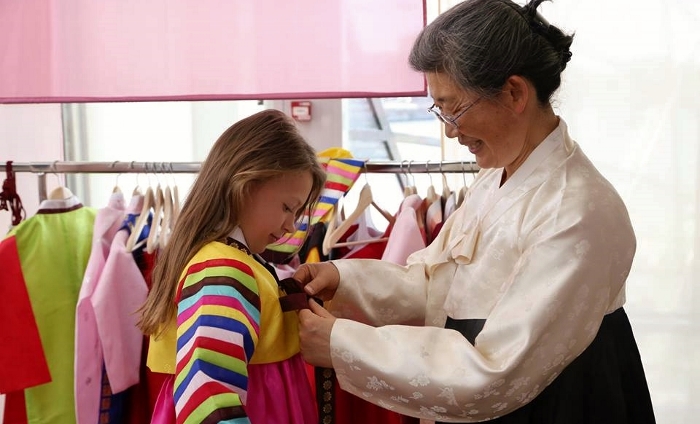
{"points": [[218, 322]]}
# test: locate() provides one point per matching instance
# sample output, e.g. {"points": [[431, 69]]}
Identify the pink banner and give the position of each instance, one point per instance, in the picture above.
{"points": [[141, 50]]}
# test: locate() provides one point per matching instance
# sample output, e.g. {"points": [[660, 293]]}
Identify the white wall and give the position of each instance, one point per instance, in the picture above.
{"points": [[29, 133]]}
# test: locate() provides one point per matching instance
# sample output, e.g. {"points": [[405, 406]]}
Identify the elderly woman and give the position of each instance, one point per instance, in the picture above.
{"points": [[515, 312]]}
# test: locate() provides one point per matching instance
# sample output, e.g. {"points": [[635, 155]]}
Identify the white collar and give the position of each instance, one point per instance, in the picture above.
{"points": [[237, 234]]}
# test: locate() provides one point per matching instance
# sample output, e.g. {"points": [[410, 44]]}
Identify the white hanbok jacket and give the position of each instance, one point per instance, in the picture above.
{"points": [[542, 259]]}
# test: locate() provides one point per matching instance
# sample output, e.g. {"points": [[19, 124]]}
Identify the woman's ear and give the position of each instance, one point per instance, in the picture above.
{"points": [[518, 92]]}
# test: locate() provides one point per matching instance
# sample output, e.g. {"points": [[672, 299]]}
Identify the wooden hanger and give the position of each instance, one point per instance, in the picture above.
{"points": [[167, 217], [389, 217], [431, 196], [153, 234], [410, 188], [60, 193], [175, 202], [334, 234], [116, 188], [446, 192], [330, 228], [148, 202], [463, 190]]}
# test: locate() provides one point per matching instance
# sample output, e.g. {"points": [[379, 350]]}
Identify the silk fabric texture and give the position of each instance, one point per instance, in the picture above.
{"points": [[542, 259]]}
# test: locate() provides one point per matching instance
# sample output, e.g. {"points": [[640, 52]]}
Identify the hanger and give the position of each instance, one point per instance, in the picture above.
{"points": [[463, 190], [148, 202], [383, 212], [334, 234], [408, 189], [331, 227], [176, 200], [153, 239], [446, 192], [164, 232], [137, 188], [431, 196], [116, 188], [61, 192]]}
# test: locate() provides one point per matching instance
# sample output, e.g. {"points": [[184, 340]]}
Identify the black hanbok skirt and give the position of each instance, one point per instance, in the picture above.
{"points": [[604, 385]]}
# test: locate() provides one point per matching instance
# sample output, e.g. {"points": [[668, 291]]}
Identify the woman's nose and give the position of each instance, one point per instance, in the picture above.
{"points": [[451, 131]]}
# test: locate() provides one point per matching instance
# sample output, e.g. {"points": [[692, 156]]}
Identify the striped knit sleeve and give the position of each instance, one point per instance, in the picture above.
{"points": [[217, 329]]}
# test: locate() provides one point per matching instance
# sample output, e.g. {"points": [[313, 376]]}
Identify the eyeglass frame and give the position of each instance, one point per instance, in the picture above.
{"points": [[452, 119]]}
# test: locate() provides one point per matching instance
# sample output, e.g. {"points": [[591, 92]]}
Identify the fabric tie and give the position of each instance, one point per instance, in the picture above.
{"points": [[461, 249], [295, 298], [9, 199]]}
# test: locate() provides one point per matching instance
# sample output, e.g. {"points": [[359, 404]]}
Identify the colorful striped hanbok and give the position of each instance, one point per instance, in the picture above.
{"points": [[234, 355]]}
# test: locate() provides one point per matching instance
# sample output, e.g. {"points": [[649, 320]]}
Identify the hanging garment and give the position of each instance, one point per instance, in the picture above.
{"points": [[93, 394], [88, 353], [407, 235], [450, 206], [44, 261], [433, 218], [140, 399], [119, 293]]}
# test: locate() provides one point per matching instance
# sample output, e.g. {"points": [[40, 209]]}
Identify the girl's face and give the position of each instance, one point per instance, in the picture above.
{"points": [[272, 208]]}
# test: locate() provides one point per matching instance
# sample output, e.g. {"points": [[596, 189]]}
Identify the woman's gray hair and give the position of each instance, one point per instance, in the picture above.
{"points": [[480, 43]]}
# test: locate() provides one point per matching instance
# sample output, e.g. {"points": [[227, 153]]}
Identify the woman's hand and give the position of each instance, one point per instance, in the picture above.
{"points": [[319, 279], [315, 326]]}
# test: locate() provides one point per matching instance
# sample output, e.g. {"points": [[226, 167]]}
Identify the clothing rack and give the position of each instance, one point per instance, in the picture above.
{"points": [[119, 167]]}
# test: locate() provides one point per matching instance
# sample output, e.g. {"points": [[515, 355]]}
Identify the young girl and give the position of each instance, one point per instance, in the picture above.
{"points": [[214, 314]]}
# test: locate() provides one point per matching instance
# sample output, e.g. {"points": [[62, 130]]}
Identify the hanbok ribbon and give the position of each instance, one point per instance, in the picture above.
{"points": [[341, 173]]}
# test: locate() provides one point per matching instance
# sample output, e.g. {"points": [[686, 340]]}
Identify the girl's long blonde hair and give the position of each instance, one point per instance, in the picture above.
{"points": [[260, 147]]}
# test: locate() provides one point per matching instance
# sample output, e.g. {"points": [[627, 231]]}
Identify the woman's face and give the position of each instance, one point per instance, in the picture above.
{"points": [[488, 128]]}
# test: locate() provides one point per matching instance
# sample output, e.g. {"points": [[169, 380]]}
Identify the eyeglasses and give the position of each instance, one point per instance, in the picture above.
{"points": [[452, 120]]}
